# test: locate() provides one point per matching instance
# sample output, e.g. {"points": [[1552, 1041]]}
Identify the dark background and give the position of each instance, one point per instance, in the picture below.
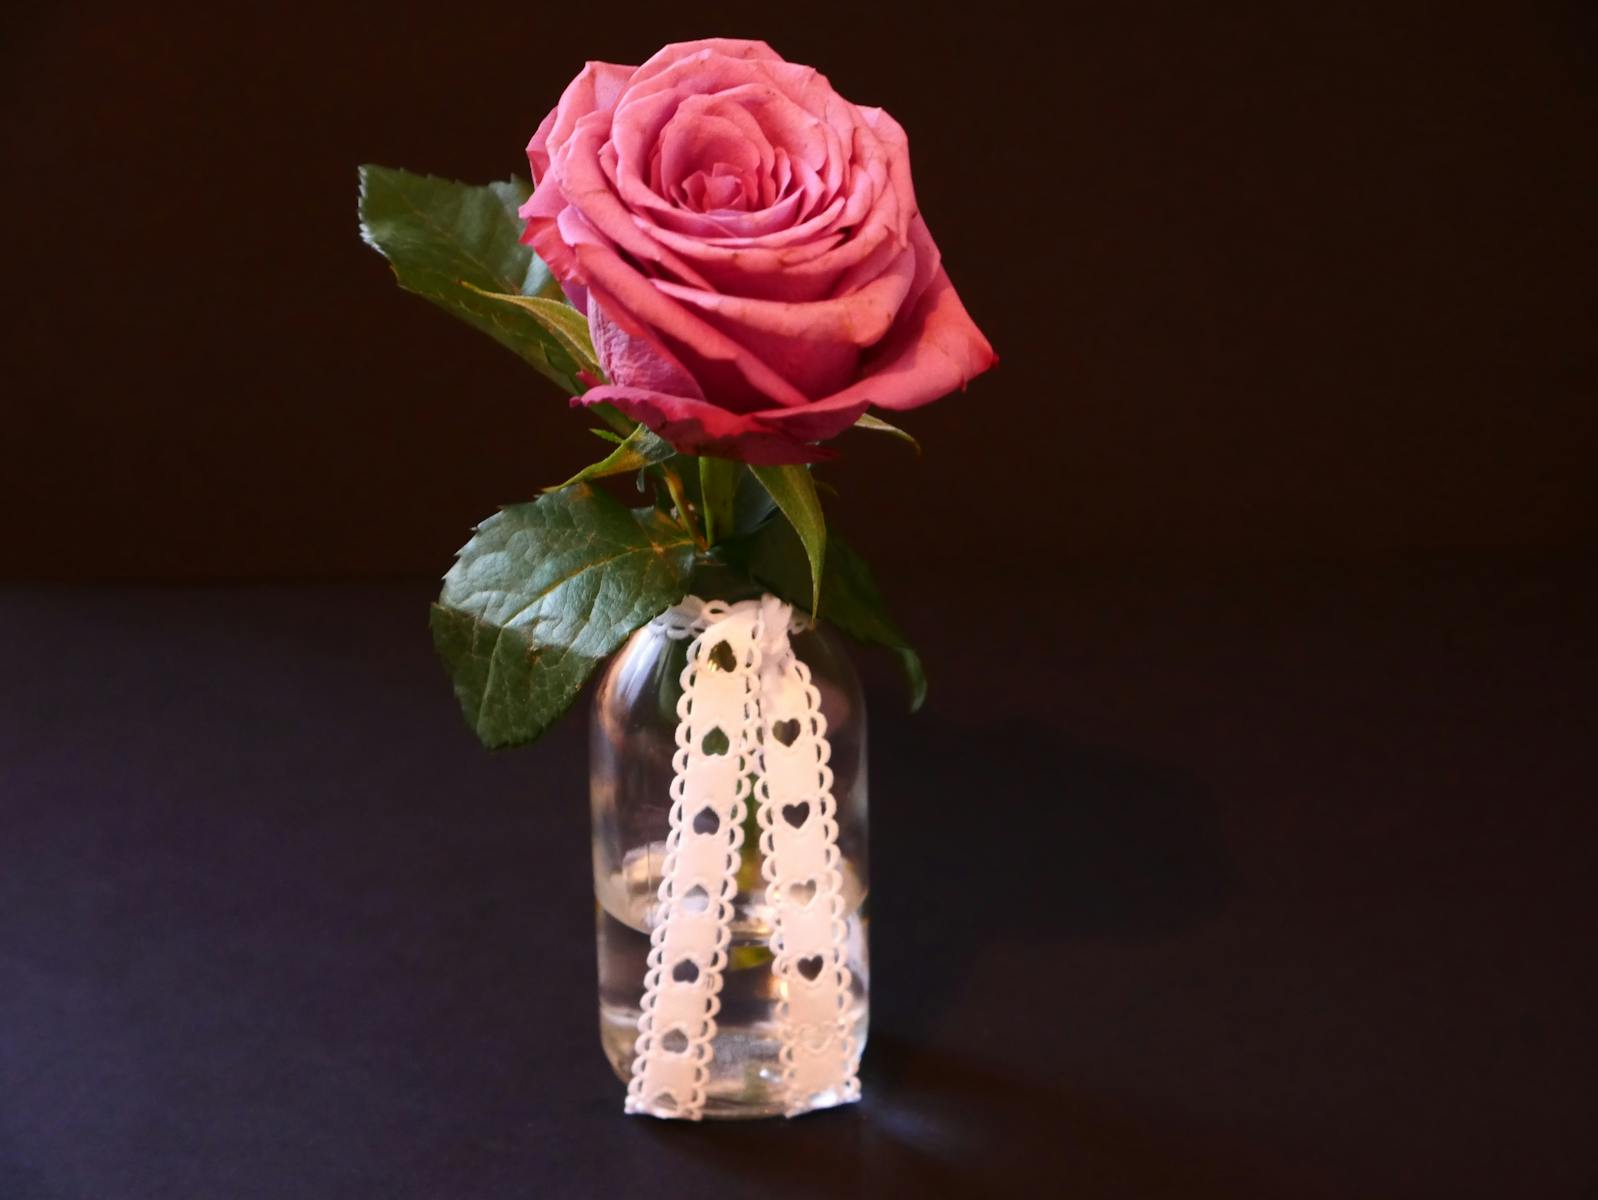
{"points": [[1309, 281], [1255, 585]]}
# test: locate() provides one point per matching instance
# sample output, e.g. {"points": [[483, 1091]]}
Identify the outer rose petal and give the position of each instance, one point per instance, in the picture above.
{"points": [[859, 318], [696, 427], [541, 212], [815, 422], [726, 47], [633, 361], [596, 89], [715, 356], [935, 348]]}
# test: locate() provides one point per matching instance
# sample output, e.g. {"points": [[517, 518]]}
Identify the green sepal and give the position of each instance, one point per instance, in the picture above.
{"points": [[718, 491], [878, 425], [639, 449], [794, 490]]}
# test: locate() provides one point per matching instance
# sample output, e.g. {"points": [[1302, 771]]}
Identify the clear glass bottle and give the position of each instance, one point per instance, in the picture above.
{"points": [[632, 740]]}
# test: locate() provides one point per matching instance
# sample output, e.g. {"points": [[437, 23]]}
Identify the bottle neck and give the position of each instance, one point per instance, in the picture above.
{"points": [[712, 579]]}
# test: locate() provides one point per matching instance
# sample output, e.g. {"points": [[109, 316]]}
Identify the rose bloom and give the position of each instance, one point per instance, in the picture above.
{"points": [[746, 246]]}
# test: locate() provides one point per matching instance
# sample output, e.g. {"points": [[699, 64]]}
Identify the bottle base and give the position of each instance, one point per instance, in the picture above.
{"points": [[745, 1074]]}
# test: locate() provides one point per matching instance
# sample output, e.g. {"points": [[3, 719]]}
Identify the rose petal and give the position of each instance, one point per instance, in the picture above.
{"points": [[542, 212], [809, 271], [578, 171], [859, 318], [815, 422], [724, 368], [737, 48], [695, 427], [635, 357], [933, 349], [597, 88], [706, 131], [692, 229]]}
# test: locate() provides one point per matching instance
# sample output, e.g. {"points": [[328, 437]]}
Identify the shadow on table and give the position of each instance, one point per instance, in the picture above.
{"points": [[937, 1125], [1017, 836]]}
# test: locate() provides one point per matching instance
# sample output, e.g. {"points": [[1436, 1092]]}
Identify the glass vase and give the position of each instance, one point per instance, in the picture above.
{"points": [[633, 739]]}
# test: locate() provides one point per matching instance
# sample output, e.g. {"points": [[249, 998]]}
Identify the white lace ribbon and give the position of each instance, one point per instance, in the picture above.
{"points": [[749, 714]]}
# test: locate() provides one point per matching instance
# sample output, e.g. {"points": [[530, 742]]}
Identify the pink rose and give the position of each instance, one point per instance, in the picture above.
{"points": [[746, 245]]}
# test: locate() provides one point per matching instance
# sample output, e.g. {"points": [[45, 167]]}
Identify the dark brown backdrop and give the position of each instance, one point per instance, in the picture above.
{"points": [[1312, 282]]}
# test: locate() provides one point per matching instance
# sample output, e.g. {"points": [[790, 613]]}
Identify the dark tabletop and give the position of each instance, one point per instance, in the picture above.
{"points": [[1270, 883]]}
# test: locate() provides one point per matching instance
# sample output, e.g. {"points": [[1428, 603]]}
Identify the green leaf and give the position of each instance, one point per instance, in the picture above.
{"points": [[559, 319], [718, 491], [795, 493], [541, 595], [878, 425], [774, 556], [452, 242], [637, 450]]}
